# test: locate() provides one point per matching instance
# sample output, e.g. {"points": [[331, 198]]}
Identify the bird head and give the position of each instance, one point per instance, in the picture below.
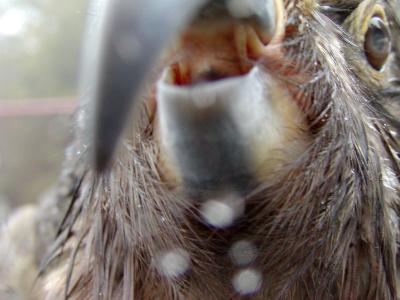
{"points": [[269, 121], [237, 92]]}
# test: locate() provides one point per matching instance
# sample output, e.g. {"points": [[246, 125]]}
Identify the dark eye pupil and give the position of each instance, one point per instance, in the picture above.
{"points": [[377, 43], [380, 40]]}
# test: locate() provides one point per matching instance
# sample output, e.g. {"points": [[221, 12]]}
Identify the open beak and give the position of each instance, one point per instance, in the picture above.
{"points": [[221, 114]]}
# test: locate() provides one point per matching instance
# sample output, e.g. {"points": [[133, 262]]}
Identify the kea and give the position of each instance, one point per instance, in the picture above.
{"points": [[229, 149]]}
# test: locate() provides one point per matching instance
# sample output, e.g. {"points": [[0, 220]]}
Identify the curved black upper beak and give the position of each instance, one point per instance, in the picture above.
{"points": [[133, 35]]}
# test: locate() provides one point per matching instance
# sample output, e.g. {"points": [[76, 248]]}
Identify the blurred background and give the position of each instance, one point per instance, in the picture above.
{"points": [[40, 42]]}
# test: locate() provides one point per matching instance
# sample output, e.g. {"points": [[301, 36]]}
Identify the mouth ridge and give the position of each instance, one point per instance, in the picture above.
{"points": [[216, 52], [217, 83]]}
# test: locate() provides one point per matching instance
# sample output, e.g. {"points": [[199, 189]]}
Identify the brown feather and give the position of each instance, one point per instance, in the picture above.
{"points": [[326, 227]]}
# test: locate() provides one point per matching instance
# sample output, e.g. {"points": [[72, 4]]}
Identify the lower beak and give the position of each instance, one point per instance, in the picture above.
{"points": [[207, 130], [226, 135]]}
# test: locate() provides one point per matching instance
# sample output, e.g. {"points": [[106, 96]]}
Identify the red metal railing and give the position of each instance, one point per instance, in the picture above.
{"points": [[37, 107]]}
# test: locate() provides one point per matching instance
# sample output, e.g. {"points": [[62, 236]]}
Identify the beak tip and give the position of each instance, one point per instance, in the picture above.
{"points": [[101, 158], [100, 165]]}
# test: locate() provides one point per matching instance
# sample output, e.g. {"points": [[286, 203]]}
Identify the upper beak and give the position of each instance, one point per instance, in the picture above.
{"points": [[133, 35]]}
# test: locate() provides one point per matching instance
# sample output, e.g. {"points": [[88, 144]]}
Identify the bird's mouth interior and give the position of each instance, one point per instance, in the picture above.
{"points": [[209, 51]]}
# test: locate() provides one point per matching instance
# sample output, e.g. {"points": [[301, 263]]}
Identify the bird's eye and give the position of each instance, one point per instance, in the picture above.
{"points": [[377, 43]]}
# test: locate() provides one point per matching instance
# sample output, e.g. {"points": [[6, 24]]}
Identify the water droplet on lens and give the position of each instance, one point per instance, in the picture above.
{"points": [[222, 212], [247, 281], [128, 48], [243, 252], [240, 8], [218, 214], [173, 263]]}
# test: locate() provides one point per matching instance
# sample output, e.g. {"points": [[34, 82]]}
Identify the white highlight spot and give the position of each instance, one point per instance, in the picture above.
{"points": [[240, 8], [247, 281], [243, 252], [221, 213], [389, 179], [206, 100], [128, 48], [12, 22], [173, 263]]}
